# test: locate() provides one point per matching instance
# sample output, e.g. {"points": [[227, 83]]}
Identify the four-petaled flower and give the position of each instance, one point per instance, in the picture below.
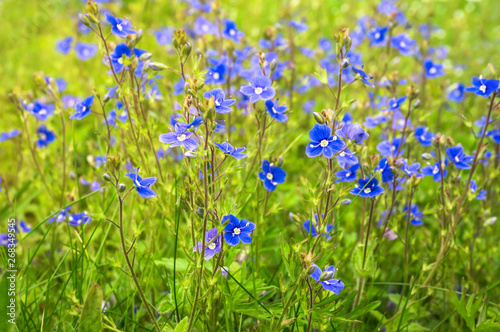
{"points": [[323, 142], [85, 51], [311, 228], [212, 247], [119, 27], [276, 111], [39, 110], [433, 70], [360, 74], [435, 171], [271, 175], [352, 131], [259, 88], [332, 285], [233, 152], [231, 31], [63, 46], [367, 188], [142, 185], [457, 156], [347, 175], [237, 230], [180, 137], [403, 44], [45, 136], [221, 104], [424, 136], [482, 87], [82, 109]]}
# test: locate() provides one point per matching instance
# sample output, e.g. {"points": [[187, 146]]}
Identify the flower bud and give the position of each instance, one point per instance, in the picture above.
{"points": [[311, 269], [106, 177], [145, 56], [327, 275], [426, 156], [186, 50], [319, 118], [345, 63], [121, 187]]}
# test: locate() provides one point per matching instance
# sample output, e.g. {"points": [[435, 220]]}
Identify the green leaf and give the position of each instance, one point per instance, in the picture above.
{"points": [[181, 327], [4, 302], [91, 319], [180, 266], [489, 326]]}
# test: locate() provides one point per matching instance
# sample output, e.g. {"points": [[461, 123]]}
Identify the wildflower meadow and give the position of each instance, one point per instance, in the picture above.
{"points": [[229, 165]]}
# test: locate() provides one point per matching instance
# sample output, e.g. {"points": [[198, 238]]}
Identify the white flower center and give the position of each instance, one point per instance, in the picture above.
{"points": [[367, 190], [435, 170], [120, 61], [204, 27], [432, 70], [181, 138], [324, 143], [217, 103], [348, 173], [482, 88], [274, 110], [342, 154], [393, 148], [211, 246], [216, 76], [43, 111], [237, 231], [258, 91], [377, 35], [457, 159], [334, 138], [119, 27], [269, 176], [84, 108], [402, 44], [395, 105], [232, 32]]}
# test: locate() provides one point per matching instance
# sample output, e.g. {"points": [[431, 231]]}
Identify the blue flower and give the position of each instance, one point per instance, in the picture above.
{"points": [[403, 44], [299, 26], [322, 142], [347, 175], [119, 27], [39, 110], [433, 70], [259, 88], [216, 73], [180, 137], [346, 158], [142, 185], [231, 32], [203, 26], [395, 103], [456, 92], [237, 230], [388, 148], [423, 136], [24, 226], [45, 136], [63, 46], [271, 175], [117, 57], [163, 36], [481, 195], [325, 44], [85, 51], [457, 156], [311, 228], [221, 104], [79, 219], [367, 188], [435, 171], [276, 111], [411, 170], [352, 131], [377, 36], [332, 285], [482, 87], [214, 247], [360, 74], [385, 169], [233, 152], [8, 135], [415, 214], [82, 109]]}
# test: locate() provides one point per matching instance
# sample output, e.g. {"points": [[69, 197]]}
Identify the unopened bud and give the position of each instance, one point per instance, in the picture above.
{"points": [[106, 177], [345, 63], [121, 187]]}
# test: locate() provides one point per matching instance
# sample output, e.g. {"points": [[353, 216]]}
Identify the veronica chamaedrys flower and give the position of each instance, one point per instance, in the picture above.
{"points": [[117, 57], [482, 87], [203, 26], [433, 70], [82, 109], [352, 131], [39, 110], [332, 285], [311, 228], [79, 219], [360, 74], [411, 170], [403, 44], [229, 150], [435, 171], [63, 46], [237, 230], [60, 216], [367, 188], [85, 51], [180, 137], [456, 93], [415, 214], [164, 35], [395, 103], [473, 188], [119, 27], [259, 88], [271, 175], [24, 226], [347, 175], [212, 248], [216, 73], [298, 25], [385, 170], [221, 104], [377, 36], [390, 148], [45, 136], [8, 135], [230, 31], [457, 156], [276, 111], [323, 142], [142, 185], [346, 158], [423, 136]]}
